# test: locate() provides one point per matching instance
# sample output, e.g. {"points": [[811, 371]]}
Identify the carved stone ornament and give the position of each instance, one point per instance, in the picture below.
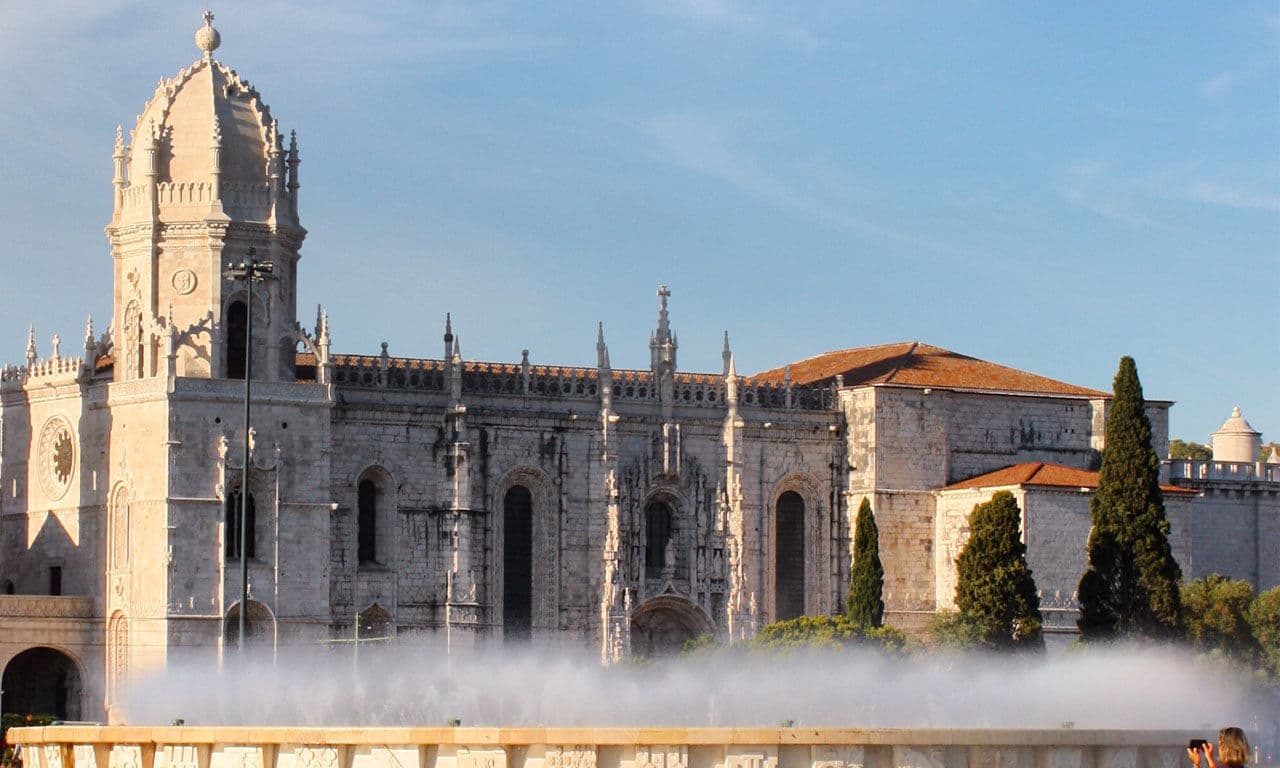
{"points": [[56, 456], [184, 281]]}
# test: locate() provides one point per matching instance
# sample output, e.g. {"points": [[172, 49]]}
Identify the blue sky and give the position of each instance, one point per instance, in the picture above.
{"points": [[1047, 186]]}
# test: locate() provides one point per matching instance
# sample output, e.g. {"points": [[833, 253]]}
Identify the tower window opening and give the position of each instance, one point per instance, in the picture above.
{"points": [[657, 517], [237, 338]]}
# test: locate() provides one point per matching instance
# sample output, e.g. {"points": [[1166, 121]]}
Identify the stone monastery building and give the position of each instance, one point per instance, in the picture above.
{"points": [[623, 511]]}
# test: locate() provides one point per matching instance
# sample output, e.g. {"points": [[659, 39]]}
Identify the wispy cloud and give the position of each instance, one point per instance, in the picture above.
{"points": [[1091, 185], [1219, 83], [705, 145], [1215, 193], [717, 12], [700, 144], [1133, 199]]}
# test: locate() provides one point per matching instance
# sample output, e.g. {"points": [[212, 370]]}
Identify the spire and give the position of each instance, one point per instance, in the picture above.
{"points": [[31, 346], [455, 373], [664, 327], [602, 349], [662, 343], [731, 383], [89, 344], [726, 355], [293, 162]]}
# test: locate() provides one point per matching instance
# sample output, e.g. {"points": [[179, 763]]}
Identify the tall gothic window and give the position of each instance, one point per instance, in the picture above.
{"points": [[367, 521], [237, 331], [789, 566], [232, 527], [517, 563], [657, 529]]}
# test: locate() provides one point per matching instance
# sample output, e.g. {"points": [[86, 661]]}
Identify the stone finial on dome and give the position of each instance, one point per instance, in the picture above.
{"points": [[207, 38]]}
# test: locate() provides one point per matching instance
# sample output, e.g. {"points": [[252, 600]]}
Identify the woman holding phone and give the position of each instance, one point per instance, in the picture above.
{"points": [[1233, 749]]}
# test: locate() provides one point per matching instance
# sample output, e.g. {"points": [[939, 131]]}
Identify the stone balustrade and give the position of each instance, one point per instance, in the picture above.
{"points": [[80, 746], [1189, 469], [568, 382]]}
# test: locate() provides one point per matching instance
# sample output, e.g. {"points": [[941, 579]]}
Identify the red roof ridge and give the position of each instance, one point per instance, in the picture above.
{"points": [[1042, 474]]}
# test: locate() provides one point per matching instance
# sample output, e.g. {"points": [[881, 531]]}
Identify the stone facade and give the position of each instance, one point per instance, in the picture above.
{"points": [[618, 510]]}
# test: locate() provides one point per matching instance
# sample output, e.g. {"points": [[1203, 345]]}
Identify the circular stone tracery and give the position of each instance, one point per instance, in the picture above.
{"points": [[57, 456]]}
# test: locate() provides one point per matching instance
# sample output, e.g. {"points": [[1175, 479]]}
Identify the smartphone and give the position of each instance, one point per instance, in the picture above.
{"points": [[1195, 745]]}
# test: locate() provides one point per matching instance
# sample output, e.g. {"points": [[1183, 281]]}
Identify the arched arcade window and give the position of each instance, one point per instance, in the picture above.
{"points": [[657, 530], [367, 521], [517, 563], [789, 551]]}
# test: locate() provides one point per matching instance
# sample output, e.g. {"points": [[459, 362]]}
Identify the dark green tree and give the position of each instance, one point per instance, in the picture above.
{"points": [[1181, 449], [1264, 619], [865, 604], [1216, 611], [1130, 587], [994, 587]]}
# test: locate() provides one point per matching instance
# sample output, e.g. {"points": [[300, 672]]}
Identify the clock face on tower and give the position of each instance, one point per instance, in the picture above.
{"points": [[57, 456]]}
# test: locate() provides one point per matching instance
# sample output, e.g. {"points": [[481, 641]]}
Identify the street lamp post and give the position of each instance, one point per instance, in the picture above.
{"points": [[251, 271]]}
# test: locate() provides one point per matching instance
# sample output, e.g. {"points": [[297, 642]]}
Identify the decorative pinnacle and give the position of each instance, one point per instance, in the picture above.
{"points": [[119, 139], [207, 38]]}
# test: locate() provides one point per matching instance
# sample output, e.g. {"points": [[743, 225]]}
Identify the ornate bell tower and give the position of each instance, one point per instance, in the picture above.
{"points": [[206, 175]]}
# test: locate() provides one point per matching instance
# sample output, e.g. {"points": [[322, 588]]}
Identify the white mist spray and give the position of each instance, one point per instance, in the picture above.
{"points": [[418, 684]]}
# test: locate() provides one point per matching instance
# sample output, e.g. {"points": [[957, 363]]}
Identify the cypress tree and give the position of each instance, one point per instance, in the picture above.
{"points": [[994, 586], [1130, 587], [865, 604]]}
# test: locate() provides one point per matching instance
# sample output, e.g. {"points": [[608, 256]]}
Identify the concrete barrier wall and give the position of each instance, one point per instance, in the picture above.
{"points": [[232, 747]]}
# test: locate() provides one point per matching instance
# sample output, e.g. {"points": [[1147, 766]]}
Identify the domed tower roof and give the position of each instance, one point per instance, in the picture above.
{"points": [[1236, 425], [205, 105], [206, 137], [1235, 440]]}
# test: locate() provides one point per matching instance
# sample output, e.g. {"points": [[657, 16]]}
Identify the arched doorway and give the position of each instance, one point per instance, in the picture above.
{"points": [[661, 626], [259, 630], [42, 681]]}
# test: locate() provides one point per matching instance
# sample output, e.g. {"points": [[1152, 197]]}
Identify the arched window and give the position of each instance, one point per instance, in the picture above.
{"points": [[232, 527], [140, 358], [789, 566], [367, 521], [517, 563], [657, 528], [120, 529], [117, 654], [237, 328]]}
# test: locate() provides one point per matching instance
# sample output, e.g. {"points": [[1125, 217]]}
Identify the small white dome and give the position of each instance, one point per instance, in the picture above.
{"points": [[1235, 440]]}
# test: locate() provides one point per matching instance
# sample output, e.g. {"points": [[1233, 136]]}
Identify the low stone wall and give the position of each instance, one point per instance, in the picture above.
{"points": [[232, 747]]}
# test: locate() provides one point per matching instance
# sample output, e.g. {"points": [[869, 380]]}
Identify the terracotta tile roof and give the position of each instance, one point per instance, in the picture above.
{"points": [[1045, 475], [911, 363]]}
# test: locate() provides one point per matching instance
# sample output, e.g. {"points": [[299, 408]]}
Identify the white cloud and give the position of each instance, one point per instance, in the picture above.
{"points": [[1231, 196], [698, 143]]}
